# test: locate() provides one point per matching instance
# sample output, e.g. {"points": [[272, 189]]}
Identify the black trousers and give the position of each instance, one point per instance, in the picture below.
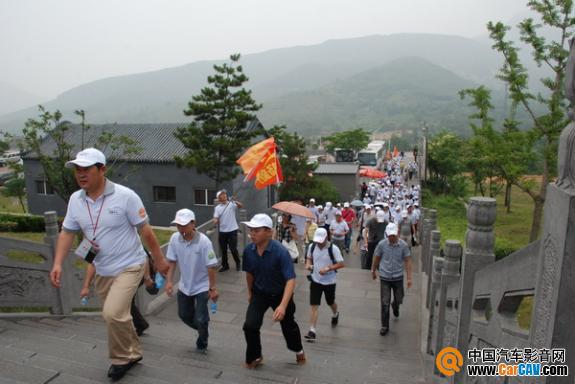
{"points": [[369, 257], [254, 319], [229, 240], [385, 289], [138, 319]]}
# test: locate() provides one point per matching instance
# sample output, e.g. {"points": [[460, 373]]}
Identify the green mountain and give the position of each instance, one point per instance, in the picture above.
{"points": [[394, 96], [279, 75]]}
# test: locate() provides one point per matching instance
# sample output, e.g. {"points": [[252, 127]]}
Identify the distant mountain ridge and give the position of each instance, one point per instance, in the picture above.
{"points": [[394, 96], [13, 99], [277, 76]]}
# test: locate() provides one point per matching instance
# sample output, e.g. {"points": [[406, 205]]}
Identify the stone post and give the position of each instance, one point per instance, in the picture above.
{"points": [[434, 252], [433, 289], [432, 226], [423, 239], [424, 213], [553, 313], [479, 244], [243, 239], [449, 275], [62, 300]]}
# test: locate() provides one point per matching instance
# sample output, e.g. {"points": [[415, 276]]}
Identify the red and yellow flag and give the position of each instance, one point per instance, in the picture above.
{"points": [[395, 151], [260, 162]]}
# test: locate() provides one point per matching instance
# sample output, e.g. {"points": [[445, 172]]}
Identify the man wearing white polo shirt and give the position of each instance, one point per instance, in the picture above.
{"points": [[107, 215], [225, 219], [194, 254], [323, 260]]}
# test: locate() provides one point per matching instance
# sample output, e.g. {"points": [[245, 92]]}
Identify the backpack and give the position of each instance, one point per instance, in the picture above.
{"points": [[329, 250]]}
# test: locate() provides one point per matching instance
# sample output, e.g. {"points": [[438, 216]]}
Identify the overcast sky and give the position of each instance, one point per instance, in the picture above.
{"points": [[49, 46]]}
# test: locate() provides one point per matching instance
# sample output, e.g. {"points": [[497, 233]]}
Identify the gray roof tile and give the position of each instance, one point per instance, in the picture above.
{"points": [[157, 141]]}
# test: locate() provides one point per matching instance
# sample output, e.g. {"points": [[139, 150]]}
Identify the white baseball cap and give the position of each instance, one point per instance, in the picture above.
{"points": [[312, 200], [404, 214], [380, 216], [328, 204], [346, 205], [260, 220], [184, 217], [338, 213], [220, 192], [87, 158], [320, 235], [391, 229]]}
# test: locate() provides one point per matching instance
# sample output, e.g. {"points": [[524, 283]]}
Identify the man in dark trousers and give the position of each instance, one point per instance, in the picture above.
{"points": [[270, 277], [225, 219], [391, 260]]}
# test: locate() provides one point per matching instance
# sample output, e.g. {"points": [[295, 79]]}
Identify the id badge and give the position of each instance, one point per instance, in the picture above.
{"points": [[86, 250]]}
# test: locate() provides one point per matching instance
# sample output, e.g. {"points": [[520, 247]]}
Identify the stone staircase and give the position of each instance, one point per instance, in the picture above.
{"points": [[43, 349]]}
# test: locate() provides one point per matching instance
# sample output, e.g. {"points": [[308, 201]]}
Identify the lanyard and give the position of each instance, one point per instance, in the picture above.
{"points": [[95, 226]]}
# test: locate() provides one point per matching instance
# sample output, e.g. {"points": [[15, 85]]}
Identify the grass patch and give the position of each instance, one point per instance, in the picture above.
{"points": [[25, 256], [163, 235], [524, 312], [511, 229], [10, 204], [37, 237]]}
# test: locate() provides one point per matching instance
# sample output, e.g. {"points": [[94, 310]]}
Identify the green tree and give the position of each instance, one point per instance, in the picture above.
{"points": [[355, 140], [220, 132], [16, 185], [444, 163], [546, 126], [50, 127], [299, 182]]}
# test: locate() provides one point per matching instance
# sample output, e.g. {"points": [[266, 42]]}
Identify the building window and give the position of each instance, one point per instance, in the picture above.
{"points": [[43, 188], [164, 194], [204, 196]]}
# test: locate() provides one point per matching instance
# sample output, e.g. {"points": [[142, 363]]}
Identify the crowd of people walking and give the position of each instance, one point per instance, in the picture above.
{"points": [[381, 226]]}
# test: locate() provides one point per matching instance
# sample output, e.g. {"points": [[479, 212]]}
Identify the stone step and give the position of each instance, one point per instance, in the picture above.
{"points": [[25, 373]]}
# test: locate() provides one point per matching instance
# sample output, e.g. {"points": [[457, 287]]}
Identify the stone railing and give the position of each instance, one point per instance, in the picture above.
{"points": [[27, 285], [474, 301]]}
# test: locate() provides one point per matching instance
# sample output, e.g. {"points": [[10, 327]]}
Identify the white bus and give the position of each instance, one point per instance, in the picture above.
{"points": [[373, 154]]}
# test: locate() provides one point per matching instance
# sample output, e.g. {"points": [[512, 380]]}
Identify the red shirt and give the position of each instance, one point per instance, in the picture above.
{"points": [[348, 215]]}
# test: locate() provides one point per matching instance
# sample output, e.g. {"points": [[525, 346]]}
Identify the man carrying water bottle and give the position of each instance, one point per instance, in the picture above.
{"points": [[195, 255], [108, 214]]}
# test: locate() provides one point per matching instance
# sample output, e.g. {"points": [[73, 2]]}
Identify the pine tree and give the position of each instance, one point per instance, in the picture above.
{"points": [[220, 131]]}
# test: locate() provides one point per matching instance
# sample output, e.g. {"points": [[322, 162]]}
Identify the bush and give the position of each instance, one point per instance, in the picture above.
{"points": [[22, 223], [8, 226]]}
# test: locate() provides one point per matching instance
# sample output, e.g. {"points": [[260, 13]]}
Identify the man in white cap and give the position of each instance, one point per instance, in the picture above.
{"points": [[270, 278], [338, 230], [108, 214], [225, 220], [197, 261], [323, 259], [313, 208], [391, 260]]}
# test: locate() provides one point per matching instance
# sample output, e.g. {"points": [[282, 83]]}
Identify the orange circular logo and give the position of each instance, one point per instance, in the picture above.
{"points": [[449, 361]]}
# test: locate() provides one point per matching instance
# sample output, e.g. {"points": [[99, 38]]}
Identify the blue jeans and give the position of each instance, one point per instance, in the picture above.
{"points": [[193, 310]]}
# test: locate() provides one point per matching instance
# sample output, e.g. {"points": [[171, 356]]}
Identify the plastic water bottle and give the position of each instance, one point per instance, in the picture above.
{"points": [[213, 306], [84, 300], [160, 280]]}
